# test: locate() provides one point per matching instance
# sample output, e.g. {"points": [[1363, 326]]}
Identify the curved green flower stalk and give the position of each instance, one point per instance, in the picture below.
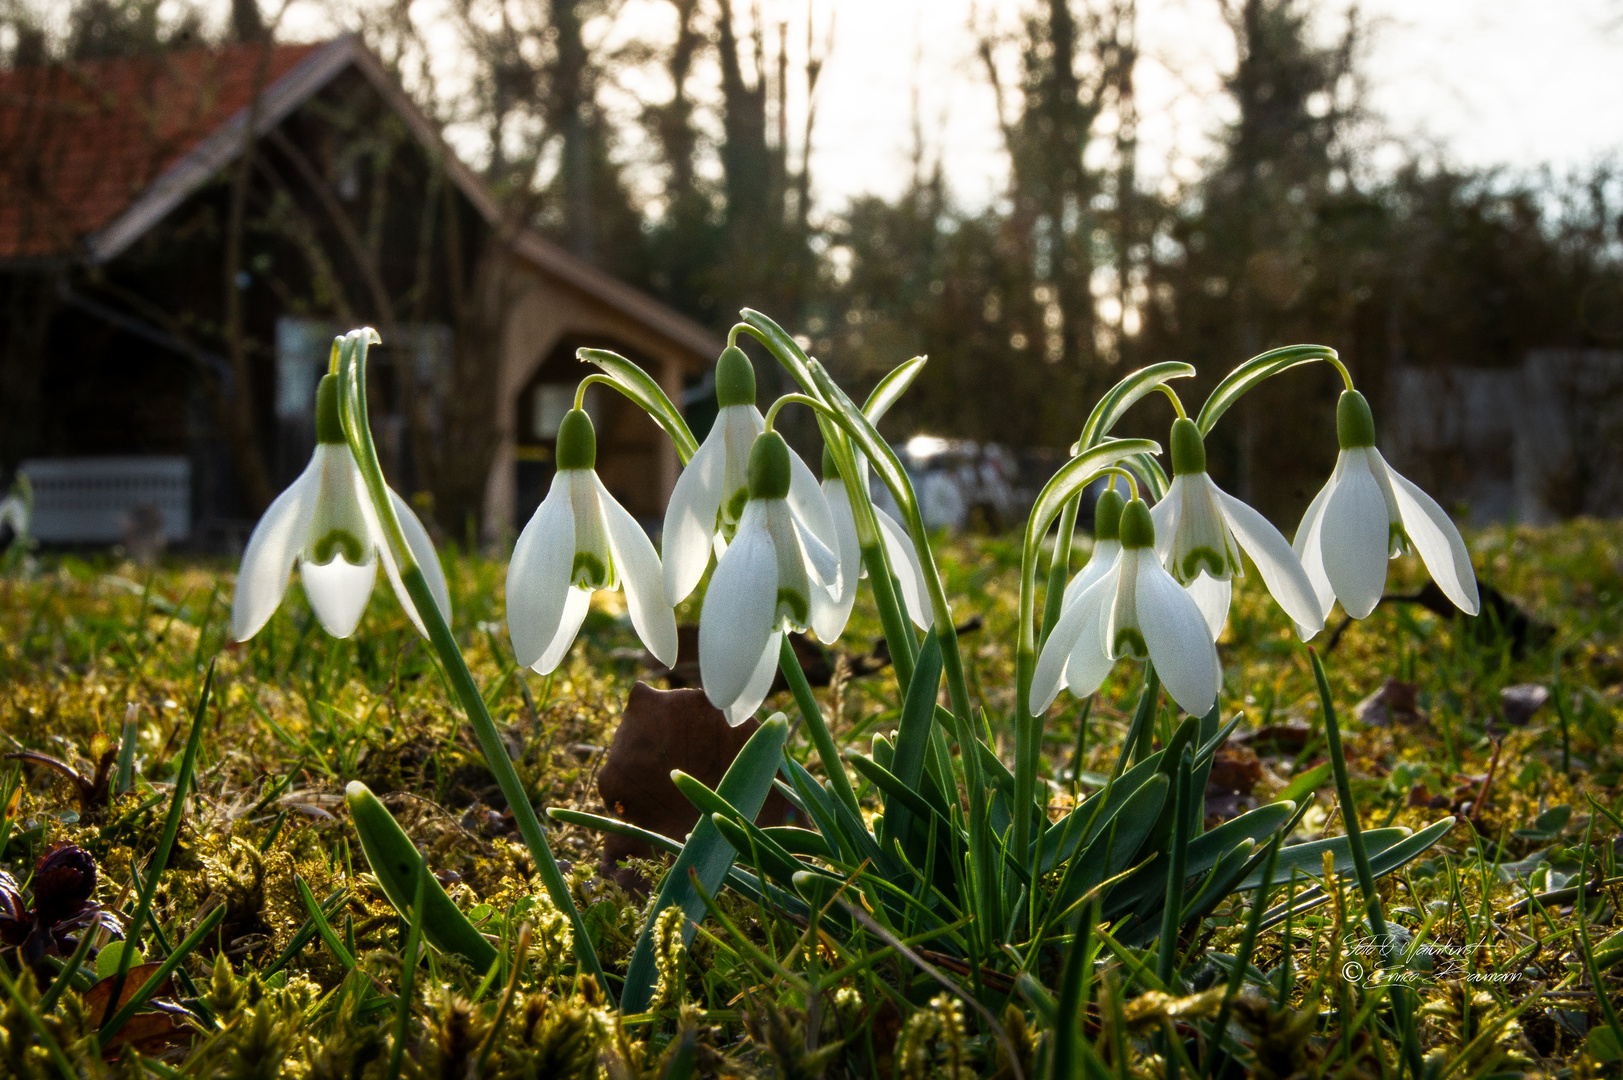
{"points": [[1110, 409], [352, 349], [1060, 490]]}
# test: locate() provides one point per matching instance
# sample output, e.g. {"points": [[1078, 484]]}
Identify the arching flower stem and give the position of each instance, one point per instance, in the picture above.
{"points": [[849, 422], [349, 362], [1065, 486]]}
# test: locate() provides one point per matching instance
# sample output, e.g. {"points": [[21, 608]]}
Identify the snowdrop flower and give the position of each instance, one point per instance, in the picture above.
{"points": [[1365, 514], [765, 583], [829, 614], [325, 522], [580, 540], [1133, 608], [707, 504], [1201, 529]]}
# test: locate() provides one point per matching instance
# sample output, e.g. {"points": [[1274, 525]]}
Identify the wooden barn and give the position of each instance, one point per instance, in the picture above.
{"points": [[182, 235]]}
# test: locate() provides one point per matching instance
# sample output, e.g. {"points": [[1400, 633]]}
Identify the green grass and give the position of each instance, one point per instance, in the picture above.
{"points": [[295, 715]]}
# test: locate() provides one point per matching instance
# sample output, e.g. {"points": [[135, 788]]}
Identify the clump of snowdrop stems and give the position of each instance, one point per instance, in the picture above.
{"points": [[788, 552]]}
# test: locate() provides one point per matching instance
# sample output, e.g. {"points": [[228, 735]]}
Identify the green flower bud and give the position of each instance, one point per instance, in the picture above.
{"points": [[328, 427], [1188, 448], [735, 378], [769, 467], [577, 441], [1355, 424], [1107, 515], [1137, 527]]}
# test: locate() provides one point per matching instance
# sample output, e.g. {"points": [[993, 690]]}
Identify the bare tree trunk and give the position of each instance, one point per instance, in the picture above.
{"points": [[569, 88], [242, 430]]}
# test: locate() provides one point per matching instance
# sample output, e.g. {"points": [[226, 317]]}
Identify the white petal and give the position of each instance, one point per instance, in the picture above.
{"points": [[1353, 536], [739, 610], [422, 549], [1200, 528], [1075, 641], [576, 603], [760, 682], [338, 591], [1212, 597], [268, 559], [690, 518], [807, 501], [1437, 540], [824, 564], [1100, 560], [829, 614], [1310, 550], [904, 564], [639, 573], [1164, 515], [1179, 642], [1281, 569], [538, 589]]}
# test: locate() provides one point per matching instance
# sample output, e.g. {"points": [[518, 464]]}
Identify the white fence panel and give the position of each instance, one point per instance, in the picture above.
{"points": [[100, 500]]}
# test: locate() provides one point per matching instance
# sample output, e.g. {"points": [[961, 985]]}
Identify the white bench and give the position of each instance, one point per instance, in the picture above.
{"points": [[91, 500]]}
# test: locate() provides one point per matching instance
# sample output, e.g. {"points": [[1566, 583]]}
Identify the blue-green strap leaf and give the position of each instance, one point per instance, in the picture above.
{"points": [[745, 786]]}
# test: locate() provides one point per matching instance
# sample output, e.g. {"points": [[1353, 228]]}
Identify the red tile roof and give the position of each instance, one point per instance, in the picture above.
{"points": [[83, 140]]}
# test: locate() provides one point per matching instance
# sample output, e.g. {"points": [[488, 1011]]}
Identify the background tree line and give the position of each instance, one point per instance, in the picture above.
{"points": [[1029, 307]]}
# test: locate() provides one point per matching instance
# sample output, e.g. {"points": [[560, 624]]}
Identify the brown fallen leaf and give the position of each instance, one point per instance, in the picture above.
{"points": [[1394, 702], [1277, 740], [663, 730], [97, 997], [1236, 770]]}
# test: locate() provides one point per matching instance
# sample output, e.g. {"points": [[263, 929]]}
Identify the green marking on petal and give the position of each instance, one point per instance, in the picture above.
{"points": [[793, 606], [337, 542], [589, 572], [1130, 642], [733, 509], [1215, 564], [1397, 541]]}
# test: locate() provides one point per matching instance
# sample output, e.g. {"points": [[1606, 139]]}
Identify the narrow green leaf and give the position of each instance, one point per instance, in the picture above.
{"points": [[165, 969], [394, 860], [891, 387], [745, 786], [640, 387], [913, 733]]}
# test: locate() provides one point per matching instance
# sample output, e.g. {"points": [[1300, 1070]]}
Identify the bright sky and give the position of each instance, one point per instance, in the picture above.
{"points": [[1520, 83]]}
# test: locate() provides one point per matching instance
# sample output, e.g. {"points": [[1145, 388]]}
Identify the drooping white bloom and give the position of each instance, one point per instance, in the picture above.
{"points": [[1132, 608], [707, 503], [579, 540], [326, 523], [1366, 514], [829, 614], [1200, 530], [764, 584]]}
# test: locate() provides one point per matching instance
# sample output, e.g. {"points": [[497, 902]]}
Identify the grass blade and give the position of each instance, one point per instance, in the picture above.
{"points": [[166, 844]]}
